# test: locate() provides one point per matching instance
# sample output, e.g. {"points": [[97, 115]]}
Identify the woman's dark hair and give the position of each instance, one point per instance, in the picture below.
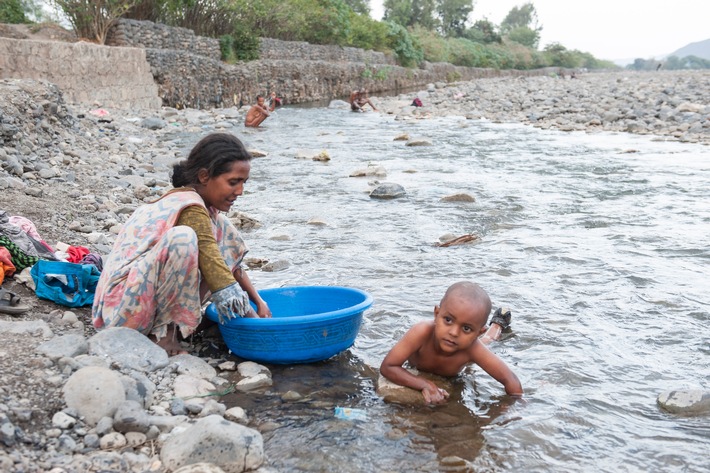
{"points": [[215, 153]]}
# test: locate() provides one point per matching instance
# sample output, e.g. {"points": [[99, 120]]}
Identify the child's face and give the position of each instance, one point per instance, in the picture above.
{"points": [[457, 324]]}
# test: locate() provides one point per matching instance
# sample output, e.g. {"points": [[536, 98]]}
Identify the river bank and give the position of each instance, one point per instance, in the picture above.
{"points": [[672, 105], [77, 173]]}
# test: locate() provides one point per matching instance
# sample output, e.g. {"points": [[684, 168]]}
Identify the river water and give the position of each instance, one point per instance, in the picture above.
{"points": [[598, 243]]}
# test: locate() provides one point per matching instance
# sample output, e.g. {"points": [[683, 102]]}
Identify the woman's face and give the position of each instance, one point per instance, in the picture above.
{"points": [[221, 191]]}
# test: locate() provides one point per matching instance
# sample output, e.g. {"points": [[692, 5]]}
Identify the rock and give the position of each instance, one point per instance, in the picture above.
{"points": [[94, 392], [388, 190], [70, 345], [255, 153], [111, 441], [128, 348], [339, 104], [451, 240], [130, 417], [63, 421], [685, 402], [273, 266], [418, 142], [402, 137], [249, 368], [255, 382], [200, 468], [153, 123], [232, 447], [391, 392], [236, 414], [190, 388], [138, 388], [377, 171], [194, 366], [460, 197]]}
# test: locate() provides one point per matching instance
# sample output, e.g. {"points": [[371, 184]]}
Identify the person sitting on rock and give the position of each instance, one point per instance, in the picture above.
{"points": [[445, 345], [175, 253], [358, 100], [259, 111]]}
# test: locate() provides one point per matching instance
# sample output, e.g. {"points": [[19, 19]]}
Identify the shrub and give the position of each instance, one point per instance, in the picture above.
{"points": [[11, 11], [408, 50]]}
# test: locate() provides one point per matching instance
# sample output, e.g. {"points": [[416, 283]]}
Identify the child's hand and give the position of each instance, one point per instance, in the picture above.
{"points": [[434, 394]]}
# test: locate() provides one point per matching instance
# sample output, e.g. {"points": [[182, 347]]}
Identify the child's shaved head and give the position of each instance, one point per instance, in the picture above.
{"points": [[472, 294]]}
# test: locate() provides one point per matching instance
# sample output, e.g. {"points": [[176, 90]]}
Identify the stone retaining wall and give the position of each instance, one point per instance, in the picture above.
{"points": [[86, 73], [300, 50], [146, 34]]}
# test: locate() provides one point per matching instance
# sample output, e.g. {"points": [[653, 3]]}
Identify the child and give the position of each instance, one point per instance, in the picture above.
{"points": [[450, 342]]}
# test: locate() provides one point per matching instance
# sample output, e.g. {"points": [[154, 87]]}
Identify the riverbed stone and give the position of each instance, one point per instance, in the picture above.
{"points": [[128, 348], [94, 392], [394, 393], [232, 447], [194, 366], [685, 402], [388, 190], [69, 345]]}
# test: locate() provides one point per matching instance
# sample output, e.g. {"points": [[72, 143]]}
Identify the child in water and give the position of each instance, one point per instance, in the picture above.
{"points": [[448, 343]]}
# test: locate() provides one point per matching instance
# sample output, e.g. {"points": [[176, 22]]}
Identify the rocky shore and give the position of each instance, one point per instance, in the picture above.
{"points": [[74, 400], [671, 105]]}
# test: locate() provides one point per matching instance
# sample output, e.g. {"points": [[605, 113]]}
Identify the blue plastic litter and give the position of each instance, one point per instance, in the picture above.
{"points": [[349, 413]]}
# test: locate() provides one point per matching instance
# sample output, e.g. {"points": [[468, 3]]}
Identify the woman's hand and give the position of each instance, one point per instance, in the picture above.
{"points": [[263, 310], [230, 301]]}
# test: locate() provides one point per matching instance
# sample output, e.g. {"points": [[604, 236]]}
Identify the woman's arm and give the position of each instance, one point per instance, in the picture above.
{"points": [[262, 308]]}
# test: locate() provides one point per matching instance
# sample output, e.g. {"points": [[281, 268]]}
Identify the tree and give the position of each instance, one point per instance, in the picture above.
{"points": [[411, 12], [483, 31], [524, 15], [453, 15], [12, 11], [521, 26], [359, 6], [92, 19]]}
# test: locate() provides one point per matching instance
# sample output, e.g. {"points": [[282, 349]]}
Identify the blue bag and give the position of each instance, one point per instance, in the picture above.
{"points": [[68, 284]]}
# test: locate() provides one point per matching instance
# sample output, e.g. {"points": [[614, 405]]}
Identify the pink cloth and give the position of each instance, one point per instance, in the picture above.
{"points": [[26, 225]]}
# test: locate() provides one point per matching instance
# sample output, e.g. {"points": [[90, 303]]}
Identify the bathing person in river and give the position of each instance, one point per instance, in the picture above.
{"points": [[259, 111], [358, 100], [448, 343], [174, 254]]}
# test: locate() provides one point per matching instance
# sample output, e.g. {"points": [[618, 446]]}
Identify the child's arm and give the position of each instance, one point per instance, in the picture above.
{"points": [[391, 367], [494, 366]]}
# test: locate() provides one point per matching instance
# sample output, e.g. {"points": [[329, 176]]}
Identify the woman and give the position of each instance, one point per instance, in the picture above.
{"points": [[173, 253]]}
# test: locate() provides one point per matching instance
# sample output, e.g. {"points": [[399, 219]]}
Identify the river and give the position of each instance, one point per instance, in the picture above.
{"points": [[599, 243]]}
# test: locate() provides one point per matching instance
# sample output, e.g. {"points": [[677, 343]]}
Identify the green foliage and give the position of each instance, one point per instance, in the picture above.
{"points": [[359, 6], [12, 11], [245, 44], [687, 62], [453, 15], [483, 31], [559, 56], [525, 36], [92, 19], [383, 73], [367, 33], [671, 63], [407, 48], [411, 12], [522, 16], [434, 47], [226, 47]]}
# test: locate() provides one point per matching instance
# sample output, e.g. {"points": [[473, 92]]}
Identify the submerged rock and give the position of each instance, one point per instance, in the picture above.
{"points": [[388, 190]]}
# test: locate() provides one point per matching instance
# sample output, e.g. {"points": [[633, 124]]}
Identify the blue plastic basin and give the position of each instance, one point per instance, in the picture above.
{"points": [[309, 323]]}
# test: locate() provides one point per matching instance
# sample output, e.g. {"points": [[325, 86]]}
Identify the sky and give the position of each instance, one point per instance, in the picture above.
{"points": [[608, 29]]}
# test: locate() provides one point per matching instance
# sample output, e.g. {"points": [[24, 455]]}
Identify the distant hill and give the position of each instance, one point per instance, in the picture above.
{"points": [[699, 49]]}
